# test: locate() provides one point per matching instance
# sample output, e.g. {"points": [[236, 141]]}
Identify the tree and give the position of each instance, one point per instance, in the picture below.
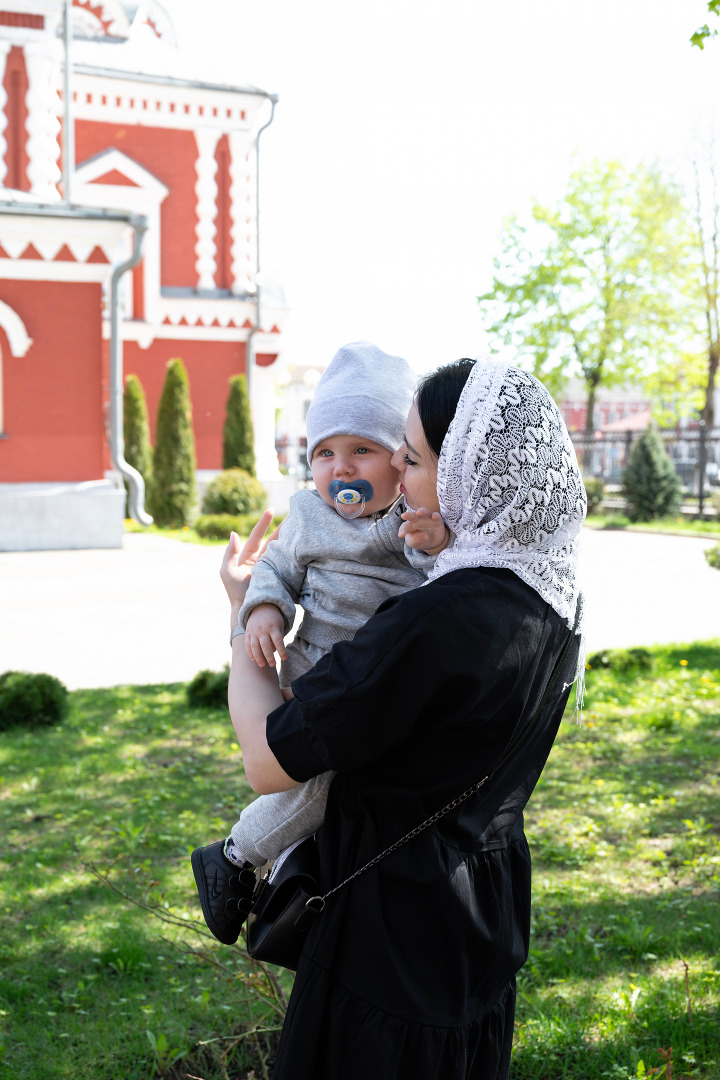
{"points": [[593, 287], [675, 387], [707, 247], [650, 484], [238, 439], [136, 429], [173, 490]]}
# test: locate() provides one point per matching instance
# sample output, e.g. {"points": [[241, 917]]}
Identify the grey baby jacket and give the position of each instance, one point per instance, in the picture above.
{"points": [[339, 571]]}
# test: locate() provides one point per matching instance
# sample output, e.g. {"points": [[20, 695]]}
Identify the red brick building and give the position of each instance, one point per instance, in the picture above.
{"points": [[154, 144]]}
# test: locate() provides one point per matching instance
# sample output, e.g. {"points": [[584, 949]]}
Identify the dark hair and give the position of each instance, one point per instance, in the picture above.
{"points": [[437, 399]]}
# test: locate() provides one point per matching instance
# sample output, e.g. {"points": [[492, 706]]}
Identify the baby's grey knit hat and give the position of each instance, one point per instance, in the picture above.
{"points": [[365, 392]]}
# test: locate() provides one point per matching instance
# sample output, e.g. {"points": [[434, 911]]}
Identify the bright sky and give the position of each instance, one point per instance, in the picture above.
{"points": [[408, 130]]}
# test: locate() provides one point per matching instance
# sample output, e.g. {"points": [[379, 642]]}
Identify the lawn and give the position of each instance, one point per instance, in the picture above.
{"points": [[624, 972], [680, 526], [624, 828]]}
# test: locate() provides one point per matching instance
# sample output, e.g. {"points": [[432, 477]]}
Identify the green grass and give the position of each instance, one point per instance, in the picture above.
{"points": [[624, 830], [624, 833], [131, 782], [681, 525], [186, 534], [675, 525]]}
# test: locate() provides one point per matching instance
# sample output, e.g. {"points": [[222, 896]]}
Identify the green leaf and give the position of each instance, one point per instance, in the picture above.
{"points": [[698, 38]]}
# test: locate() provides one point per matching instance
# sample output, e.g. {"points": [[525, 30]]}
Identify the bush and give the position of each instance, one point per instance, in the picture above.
{"points": [[209, 689], [234, 491], [595, 490], [219, 526], [650, 484], [713, 557], [136, 430], [31, 700], [238, 438], [622, 661], [173, 490]]}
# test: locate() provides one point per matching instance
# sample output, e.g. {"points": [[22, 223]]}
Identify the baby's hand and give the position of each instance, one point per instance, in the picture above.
{"points": [[424, 531], [264, 632]]}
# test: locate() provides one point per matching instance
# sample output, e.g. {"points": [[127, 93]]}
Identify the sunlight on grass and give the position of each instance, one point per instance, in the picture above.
{"points": [[623, 829]]}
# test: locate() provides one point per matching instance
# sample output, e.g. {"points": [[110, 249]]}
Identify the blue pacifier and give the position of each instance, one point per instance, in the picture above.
{"points": [[352, 494]]}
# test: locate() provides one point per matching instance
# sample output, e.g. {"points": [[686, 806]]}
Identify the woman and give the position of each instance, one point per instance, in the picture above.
{"points": [[410, 970]]}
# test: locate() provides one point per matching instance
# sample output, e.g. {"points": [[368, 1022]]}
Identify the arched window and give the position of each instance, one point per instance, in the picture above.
{"points": [[18, 341]]}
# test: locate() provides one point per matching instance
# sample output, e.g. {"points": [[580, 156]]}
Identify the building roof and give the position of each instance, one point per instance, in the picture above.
{"points": [[137, 40], [635, 422], [21, 203]]}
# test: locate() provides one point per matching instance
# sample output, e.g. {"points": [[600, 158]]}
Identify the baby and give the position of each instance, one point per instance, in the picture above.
{"points": [[338, 556]]}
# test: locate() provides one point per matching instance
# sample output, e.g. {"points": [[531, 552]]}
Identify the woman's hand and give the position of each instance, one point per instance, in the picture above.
{"points": [[238, 562]]}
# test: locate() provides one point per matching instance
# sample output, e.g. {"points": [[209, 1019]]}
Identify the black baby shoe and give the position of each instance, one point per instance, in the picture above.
{"points": [[225, 891]]}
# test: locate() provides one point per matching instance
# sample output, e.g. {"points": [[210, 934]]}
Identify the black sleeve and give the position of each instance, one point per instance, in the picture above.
{"points": [[426, 659]]}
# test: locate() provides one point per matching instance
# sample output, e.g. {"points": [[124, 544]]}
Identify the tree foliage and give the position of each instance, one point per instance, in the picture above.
{"points": [[702, 34], [238, 438], [593, 287], [675, 387], [650, 484], [136, 429], [173, 490]]}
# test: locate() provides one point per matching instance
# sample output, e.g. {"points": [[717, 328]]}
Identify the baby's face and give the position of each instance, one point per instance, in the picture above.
{"points": [[349, 458]]}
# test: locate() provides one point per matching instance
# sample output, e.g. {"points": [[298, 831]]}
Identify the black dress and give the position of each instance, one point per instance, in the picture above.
{"points": [[409, 974]]}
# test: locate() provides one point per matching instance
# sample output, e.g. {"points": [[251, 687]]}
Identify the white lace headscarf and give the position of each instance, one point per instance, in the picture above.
{"points": [[509, 485]]}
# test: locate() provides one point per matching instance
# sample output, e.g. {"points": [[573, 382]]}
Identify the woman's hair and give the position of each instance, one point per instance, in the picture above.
{"points": [[437, 398]]}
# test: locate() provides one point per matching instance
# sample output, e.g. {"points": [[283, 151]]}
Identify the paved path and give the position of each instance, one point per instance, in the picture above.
{"points": [[156, 610], [644, 589]]}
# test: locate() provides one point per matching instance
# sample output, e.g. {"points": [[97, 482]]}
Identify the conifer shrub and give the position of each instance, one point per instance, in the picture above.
{"points": [[209, 689], [31, 700], [173, 491], [650, 484], [238, 437], [136, 430], [234, 491]]}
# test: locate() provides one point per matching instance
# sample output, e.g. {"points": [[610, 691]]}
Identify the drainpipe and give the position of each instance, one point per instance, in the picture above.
{"points": [[249, 347], [136, 494], [69, 128]]}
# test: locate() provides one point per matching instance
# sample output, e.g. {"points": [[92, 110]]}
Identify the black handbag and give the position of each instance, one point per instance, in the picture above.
{"points": [[286, 900], [283, 905]]}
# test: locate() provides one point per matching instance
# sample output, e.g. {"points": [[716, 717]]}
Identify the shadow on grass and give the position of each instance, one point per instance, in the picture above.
{"points": [[607, 935]]}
